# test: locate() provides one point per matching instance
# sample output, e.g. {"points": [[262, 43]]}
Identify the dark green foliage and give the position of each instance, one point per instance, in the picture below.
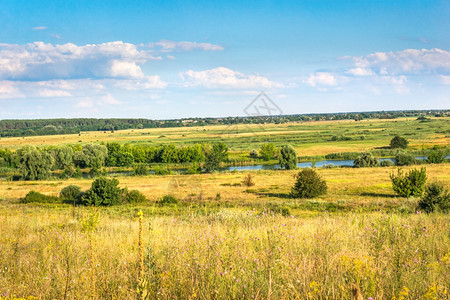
{"points": [[436, 157], [134, 196], [308, 185], [436, 197], [409, 184], [366, 160], [36, 197], [386, 163], [254, 153], [168, 199], [398, 142], [267, 151], [194, 168], [217, 154], [288, 157], [404, 158], [140, 170], [33, 164], [162, 171], [71, 194], [102, 192]]}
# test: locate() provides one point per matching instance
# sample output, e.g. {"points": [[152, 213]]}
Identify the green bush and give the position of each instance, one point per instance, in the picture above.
{"points": [[194, 168], [36, 197], [103, 192], [308, 185], [71, 194], [386, 163], [162, 171], [254, 153], [399, 142], [436, 157], [248, 180], [436, 197], [366, 160], [140, 170], [168, 199], [267, 151], [134, 196], [409, 184], [288, 157], [404, 158]]}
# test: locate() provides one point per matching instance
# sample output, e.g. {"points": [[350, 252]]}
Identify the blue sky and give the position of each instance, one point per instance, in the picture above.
{"points": [[176, 59]]}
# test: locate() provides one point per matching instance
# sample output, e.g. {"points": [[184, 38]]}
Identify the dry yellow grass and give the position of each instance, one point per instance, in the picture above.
{"points": [[350, 184]]}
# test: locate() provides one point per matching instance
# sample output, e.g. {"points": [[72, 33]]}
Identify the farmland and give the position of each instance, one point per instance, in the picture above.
{"points": [[223, 239]]}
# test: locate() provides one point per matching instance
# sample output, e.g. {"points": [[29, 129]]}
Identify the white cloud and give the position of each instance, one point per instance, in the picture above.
{"points": [[40, 61], [37, 28], [360, 72], [321, 79], [409, 61], [148, 82], [50, 93], [8, 90], [226, 78], [445, 79], [168, 46]]}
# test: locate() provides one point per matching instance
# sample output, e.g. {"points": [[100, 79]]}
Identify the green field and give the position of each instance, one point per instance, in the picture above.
{"points": [[225, 240]]}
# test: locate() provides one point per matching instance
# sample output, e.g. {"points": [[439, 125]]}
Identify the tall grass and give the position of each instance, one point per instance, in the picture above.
{"points": [[226, 254]]}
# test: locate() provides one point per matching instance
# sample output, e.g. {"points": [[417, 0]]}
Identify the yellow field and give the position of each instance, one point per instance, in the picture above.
{"points": [[360, 185]]}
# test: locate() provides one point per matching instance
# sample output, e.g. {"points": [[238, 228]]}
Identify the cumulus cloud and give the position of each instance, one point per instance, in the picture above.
{"points": [[226, 78], [321, 79], [405, 62], [41, 61], [168, 46]]}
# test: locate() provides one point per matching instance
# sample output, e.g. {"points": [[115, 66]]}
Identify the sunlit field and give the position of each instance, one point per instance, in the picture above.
{"points": [[309, 138], [225, 240]]}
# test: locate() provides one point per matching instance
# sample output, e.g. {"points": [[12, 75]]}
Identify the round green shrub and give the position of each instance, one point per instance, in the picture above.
{"points": [[288, 157], [436, 197], [399, 142], [70, 194], [409, 184], [103, 192], [386, 163], [140, 170], [308, 185], [134, 196], [168, 199], [36, 197]]}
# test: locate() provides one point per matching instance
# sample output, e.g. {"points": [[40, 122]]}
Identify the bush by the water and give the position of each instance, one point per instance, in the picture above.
{"points": [[288, 157], [436, 197], [308, 185], [404, 158], [140, 170], [386, 163], [436, 157], [102, 192], [70, 194], [409, 184], [36, 197], [366, 160]]}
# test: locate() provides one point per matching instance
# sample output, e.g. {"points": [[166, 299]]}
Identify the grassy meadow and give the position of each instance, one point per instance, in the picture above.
{"points": [[225, 240]]}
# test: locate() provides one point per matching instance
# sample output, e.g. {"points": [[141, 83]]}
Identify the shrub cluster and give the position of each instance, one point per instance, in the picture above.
{"points": [[436, 197], [36, 197], [366, 160], [308, 185], [409, 184]]}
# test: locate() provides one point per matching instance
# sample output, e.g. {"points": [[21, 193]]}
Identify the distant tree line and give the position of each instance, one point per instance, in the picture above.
{"points": [[10, 128]]}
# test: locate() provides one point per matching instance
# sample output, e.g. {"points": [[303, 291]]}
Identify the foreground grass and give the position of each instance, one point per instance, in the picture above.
{"points": [[229, 253]]}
